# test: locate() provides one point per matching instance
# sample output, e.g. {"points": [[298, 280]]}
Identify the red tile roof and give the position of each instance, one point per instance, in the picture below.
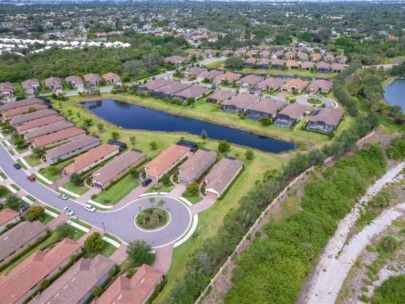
{"points": [[48, 139]]}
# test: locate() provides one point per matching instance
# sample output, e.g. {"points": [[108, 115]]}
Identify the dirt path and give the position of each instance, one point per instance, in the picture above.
{"points": [[332, 271]]}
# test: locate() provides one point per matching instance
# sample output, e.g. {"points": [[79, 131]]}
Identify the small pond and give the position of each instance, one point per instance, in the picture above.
{"points": [[395, 93]]}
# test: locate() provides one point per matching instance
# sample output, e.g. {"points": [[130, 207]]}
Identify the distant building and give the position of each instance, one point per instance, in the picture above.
{"points": [[92, 80], [239, 103], [291, 114], [30, 86], [112, 78], [54, 84], [325, 120], [265, 107], [195, 166], [220, 96]]}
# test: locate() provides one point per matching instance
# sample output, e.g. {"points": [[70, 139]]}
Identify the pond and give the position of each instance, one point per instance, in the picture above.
{"points": [[395, 93], [131, 116]]}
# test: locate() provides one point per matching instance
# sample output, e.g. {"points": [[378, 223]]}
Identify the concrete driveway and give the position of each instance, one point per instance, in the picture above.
{"points": [[119, 222]]}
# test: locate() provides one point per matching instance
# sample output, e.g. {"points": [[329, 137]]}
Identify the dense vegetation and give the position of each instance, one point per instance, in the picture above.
{"points": [[397, 149], [273, 268], [392, 291]]}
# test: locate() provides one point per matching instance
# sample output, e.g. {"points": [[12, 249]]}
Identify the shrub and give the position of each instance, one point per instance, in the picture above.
{"points": [[224, 146], [140, 252], [34, 213], [93, 245]]}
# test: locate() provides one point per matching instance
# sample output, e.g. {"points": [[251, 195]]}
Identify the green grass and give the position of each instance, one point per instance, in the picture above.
{"points": [[81, 223], [76, 234], [15, 187], [110, 236], [31, 198], [79, 190], [298, 73], [53, 210], [54, 176], [159, 187], [3, 175], [5, 193], [108, 249], [118, 191], [192, 199], [21, 164], [45, 218], [32, 160]]}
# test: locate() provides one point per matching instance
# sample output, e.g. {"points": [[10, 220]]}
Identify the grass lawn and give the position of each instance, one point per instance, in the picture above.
{"points": [[15, 187], [192, 199], [32, 160], [45, 218], [55, 174], [75, 189], [116, 192], [110, 236], [21, 164], [5, 193], [3, 175], [76, 234], [159, 187], [108, 249], [297, 73], [53, 210], [81, 223]]}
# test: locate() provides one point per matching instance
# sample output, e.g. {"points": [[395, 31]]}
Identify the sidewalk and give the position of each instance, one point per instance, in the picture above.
{"points": [[164, 258], [87, 196]]}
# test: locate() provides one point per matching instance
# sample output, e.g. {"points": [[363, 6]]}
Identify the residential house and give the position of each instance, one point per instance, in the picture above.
{"points": [[193, 72], [177, 60], [277, 64], [210, 53], [263, 63], [76, 285], [57, 138], [210, 75], [289, 55], [136, 290], [166, 161], [325, 120], [320, 86], [315, 57], [22, 110], [228, 77], [303, 56], [54, 84], [252, 53], [329, 58], [91, 158], [17, 284], [24, 118], [76, 82], [18, 104], [221, 176], [92, 80], [322, 67], [307, 66], [240, 52], [154, 84], [38, 123], [71, 148], [48, 129], [20, 237], [292, 65], [8, 216], [249, 62], [270, 84], [112, 78], [195, 166], [227, 53], [117, 168], [220, 96], [6, 91], [342, 59], [295, 84], [249, 81], [337, 67], [265, 107], [277, 54], [30, 86], [291, 114], [239, 103], [168, 91], [195, 92], [265, 54]]}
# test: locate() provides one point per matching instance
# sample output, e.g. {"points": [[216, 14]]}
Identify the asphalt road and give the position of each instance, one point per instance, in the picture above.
{"points": [[119, 222]]}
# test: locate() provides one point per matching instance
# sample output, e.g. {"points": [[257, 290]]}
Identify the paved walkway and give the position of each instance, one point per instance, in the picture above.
{"points": [[87, 196], [177, 191], [133, 195], [119, 255], [60, 182], [23, 154], [206, 203], [164, 258], [35, 169]]}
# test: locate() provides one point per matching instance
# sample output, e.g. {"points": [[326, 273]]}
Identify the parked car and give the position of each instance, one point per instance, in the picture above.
{"points": [[146, 182], [90, 208], [23, 208], [63, 196], [17, 166], [68, 211], [31, 178]]}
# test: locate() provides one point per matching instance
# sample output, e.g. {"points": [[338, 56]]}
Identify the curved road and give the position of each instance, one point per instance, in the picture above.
{"points": [[118, 222]]}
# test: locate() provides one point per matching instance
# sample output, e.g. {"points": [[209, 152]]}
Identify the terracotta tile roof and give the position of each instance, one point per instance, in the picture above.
{"points": [[30, 83], [268, 105], [156, 83], [36, 123], [21, 103], [337, 67], [74, 79], [328, 116], [23, 110], [20, 280], [297, 84], [192, 92], [134, 290], [53, 81], [32, 116], [242, 101], [263, 61], [222, 174], [90, 157], [295, 110], [195, 164], [175, 59], [50, 128], [117, 165], [251, 79], [164, 160], [229, 76], [7, 215], [111, 75], [48, 139], [292, 63], [272, 83], [18, 236], [71, 146], [277, 62], [307, 65], [322, 65], [76, 282], [7, 87], [173, 88], [195, 70], [91, 77], [316, 56], [250, 60], [324, 85], [211, 74], [221, 95]]}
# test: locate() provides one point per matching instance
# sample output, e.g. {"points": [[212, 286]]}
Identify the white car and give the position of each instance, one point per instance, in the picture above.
{"points": [[63, 196], [68, 211], [90, 208]]}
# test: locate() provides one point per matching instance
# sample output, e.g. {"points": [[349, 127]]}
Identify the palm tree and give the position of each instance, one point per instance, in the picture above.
{"points": [[161, 203], [142, 217], [152, 202], [157, 213]]}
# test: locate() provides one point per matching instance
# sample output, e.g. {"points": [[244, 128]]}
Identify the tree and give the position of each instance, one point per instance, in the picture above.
{"points": [[152, 202], [153, 145], [76, 179], [3, 190], [63, 230], [88, 122], [13, 202], [38, 153], [140, 252], [100, 127], [249, 155], [34, 213], [161, 203], [115, 135], [166, 180], [157, 213], [234, 63], [192, 189], [204, 135], [132, 139], [53, 170], [223, 146], [265, 121], [93, 245]]}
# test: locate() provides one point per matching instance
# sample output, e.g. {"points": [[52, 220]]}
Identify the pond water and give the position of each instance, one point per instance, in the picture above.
{"points": [[395, 93], [135, 117]]}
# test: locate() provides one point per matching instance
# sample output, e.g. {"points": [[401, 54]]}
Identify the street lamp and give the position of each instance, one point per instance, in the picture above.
{"points": [[104, 228]]}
